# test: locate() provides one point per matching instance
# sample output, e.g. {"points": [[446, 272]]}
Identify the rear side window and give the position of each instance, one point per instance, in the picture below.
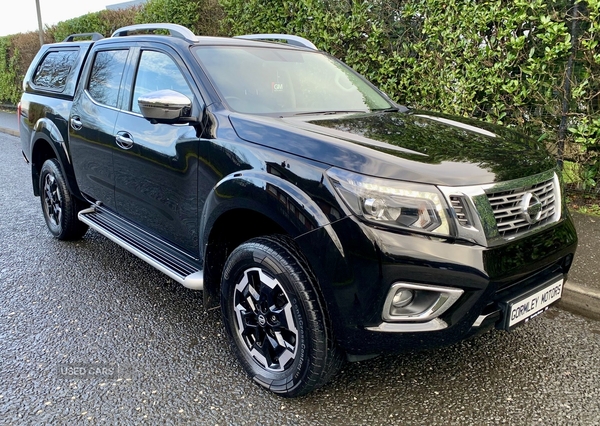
{"points": [[106, 75], [52, 73]]}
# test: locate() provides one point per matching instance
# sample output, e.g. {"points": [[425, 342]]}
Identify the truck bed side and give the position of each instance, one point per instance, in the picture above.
{"points": [[48, 90]]}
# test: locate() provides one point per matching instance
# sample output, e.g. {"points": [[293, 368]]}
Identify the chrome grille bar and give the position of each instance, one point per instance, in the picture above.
{"points": [[509, 210]]}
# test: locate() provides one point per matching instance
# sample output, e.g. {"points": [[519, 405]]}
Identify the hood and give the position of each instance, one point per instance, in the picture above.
{"points": [[417, 146]]}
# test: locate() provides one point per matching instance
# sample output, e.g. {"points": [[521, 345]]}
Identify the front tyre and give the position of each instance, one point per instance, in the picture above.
{"points": [[58, 204], [274, 318]]}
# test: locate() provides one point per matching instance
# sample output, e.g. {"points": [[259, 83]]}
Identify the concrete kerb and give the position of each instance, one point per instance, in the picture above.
{"points": [[9, 131], [580, 300]]}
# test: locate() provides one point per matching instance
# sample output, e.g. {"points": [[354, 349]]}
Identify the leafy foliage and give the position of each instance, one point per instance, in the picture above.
{"points": [[529, 64], [502, 61], [9, 57], [201, 16], [104, 22]]}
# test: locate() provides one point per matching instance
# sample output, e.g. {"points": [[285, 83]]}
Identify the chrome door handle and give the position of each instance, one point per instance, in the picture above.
{"points": [[124, 140], [76, 123]]}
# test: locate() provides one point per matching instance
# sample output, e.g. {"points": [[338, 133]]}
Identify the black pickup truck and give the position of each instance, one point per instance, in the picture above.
{"points": [[327, 222]]}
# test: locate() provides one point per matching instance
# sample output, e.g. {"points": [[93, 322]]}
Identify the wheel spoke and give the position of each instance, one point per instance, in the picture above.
{"points": [[252, 292], [267, 294], [52, 199], [248, 318], [284, 319], [251, 304], [282, 342], [258, 336], [265, 320]]}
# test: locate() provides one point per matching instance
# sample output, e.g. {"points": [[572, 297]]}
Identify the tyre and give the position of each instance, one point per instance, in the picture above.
{"points": [[58, 204], [274, 318]]}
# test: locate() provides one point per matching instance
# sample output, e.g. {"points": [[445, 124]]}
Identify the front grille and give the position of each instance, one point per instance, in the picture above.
{"points": [[509, 211]]}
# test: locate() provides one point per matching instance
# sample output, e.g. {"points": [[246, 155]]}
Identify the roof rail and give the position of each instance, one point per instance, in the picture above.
{"points": [[174, 30], [291, 39], [94, 36]]}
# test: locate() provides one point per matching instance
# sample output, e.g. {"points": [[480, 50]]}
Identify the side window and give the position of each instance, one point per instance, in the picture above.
{"points": [[157, 71], [52, 73], [106, 75]]}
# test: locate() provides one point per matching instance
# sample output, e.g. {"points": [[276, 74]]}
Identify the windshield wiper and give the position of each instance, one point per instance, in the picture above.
{"points": [[328, 112], [393, 109]]}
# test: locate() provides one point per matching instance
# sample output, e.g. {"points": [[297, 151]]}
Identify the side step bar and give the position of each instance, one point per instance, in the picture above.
{"points": [[157, 253]]}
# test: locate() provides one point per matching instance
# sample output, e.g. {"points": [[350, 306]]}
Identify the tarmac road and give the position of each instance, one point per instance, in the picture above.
{"points": [[90, 334]]}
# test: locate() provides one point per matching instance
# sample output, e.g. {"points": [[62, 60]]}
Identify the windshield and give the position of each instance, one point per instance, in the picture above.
{"points": [[261, 80]]}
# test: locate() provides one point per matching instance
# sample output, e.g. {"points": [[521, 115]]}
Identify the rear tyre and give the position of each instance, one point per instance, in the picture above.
{"points": [[272, 313], [58, 204]]}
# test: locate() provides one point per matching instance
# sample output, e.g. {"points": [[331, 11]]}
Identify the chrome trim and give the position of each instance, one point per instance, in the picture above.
{"points": [[519, 183], [558, 197], [513, 207], [481, 318], [291, 39], [95, 102], [474, 200], [390, 327], [447, 297], [484, 231], [174, 30], [193, 281], [93, 37], [164, 104]]}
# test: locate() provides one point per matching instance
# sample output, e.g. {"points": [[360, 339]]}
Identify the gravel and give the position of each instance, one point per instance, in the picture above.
{"points": [[91, 334]]}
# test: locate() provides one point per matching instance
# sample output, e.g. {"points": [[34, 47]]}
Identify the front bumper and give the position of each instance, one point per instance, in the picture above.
{"points": [[356, 276]]}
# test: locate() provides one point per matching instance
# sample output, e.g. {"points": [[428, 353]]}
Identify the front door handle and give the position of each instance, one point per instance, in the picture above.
{"points": [[124, 140], [76, 123]]}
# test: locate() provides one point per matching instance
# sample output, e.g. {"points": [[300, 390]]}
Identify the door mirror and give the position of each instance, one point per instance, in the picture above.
{"points": [[166, 106]]}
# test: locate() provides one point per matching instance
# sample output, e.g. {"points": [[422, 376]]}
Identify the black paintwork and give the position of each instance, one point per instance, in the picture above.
{"points": [[177, 181], [410, 146]]}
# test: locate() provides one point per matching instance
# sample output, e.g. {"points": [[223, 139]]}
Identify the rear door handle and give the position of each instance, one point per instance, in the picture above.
{"points": [[124, 140], [76, 123]]}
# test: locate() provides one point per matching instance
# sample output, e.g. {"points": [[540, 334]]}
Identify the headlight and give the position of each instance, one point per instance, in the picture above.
{"points": [[398, 204]]}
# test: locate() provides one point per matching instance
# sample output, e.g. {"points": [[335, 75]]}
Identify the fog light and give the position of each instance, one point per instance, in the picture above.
{"points": [[403, 297], [411, 302]]}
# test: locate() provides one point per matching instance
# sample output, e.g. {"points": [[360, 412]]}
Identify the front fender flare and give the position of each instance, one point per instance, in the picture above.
{"points": [[276, 198]]}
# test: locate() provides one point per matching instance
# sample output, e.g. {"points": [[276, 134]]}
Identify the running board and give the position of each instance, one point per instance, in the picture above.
{"points": [[164, 257]]}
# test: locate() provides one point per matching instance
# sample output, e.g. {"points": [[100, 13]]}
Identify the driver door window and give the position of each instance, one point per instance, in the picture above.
{"points": [[157, 71]]}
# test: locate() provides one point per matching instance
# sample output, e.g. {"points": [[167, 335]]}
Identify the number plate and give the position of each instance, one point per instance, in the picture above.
{"points": [[533, 303]]}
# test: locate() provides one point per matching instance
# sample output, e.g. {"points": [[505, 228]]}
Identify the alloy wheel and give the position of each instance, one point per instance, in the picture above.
{"points": [[52, 200], [265, 321]]}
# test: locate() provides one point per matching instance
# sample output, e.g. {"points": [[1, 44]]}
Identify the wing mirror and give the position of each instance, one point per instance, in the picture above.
{"points": [[166, 106]]}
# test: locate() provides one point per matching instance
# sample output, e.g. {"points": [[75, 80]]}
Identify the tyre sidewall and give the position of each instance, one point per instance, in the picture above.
{"points": [[286, 381], [69, 226]]}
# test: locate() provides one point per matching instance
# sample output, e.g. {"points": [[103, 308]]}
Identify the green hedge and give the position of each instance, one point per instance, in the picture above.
{"points": [[533, 65], [104, 22], [501, 61], [201, 16], [10, 90]]}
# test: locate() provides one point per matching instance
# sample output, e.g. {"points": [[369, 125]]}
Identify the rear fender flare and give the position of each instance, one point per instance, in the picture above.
{"points": [[47, 133]]}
